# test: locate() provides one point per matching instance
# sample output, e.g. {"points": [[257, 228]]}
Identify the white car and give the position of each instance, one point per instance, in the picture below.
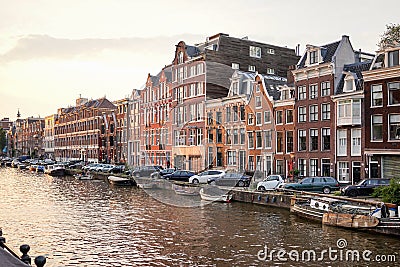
{"points": [[271, 182], [204, 176]]}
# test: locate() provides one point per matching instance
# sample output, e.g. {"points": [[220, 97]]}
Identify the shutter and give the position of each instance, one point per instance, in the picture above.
{"points": [[390, 167]]}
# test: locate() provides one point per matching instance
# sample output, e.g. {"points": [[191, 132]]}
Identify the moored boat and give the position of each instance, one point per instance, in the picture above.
{"points": [[186, 190], [81, 176], [115, 180], [55, 170], [225, 197]]}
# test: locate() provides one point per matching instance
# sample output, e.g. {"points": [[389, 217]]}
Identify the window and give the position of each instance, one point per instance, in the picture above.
{"points": [[302, 114], [313, 57], [268, 139], [302, 140], [235, 136], [343, 170], [313, 139], [326, 138], [210, 156], [270, 51], [393, 58], [219, 135], [279, 117], [242, 136], [242, 113], [394, 93], [313, 167], [228, 137], [289, 116], [255, 51], [258, 102], [235, 66], [394, 127], [228, 114], [258, 163], [219, 117], [180, 58], [258, 118], [250, 118], [251, 139], [326, 111], [267, 116], [199, 136], [231, 157], [313, 91], [377, 128], [252, 68], [210, 118], [279, 142], [251, 163], [257, 86], [235, 88], [325, 88], [356, 142], [235, 113], [377, 99], [258, 140], [314, 113], [270, 71], [302, 167], [242, 160], [342, 142], [289, 141], [302, 92], [210, 136]]}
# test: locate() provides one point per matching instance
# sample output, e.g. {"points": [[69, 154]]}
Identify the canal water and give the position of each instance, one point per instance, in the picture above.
{"points": [[92, 223]]}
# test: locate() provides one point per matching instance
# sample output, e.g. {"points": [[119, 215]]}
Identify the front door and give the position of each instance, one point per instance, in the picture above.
{"points": [[373, 169]]}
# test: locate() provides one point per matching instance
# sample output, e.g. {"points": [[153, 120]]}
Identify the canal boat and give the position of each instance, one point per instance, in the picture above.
{"points": [[83, 176], [115, 180], [186, 190], [55, 170], [224, 197]]}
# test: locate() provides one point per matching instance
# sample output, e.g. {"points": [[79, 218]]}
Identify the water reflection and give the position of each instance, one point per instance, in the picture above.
{"points": [[90, 223]]}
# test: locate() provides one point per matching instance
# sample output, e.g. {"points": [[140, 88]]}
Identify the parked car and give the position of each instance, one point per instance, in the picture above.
{"points": [[146, 171], [271, 182], [161, 173], [180, 175], [106, 168], [204, 176], [118, 169], [231, 179], [364, 187], [315, 184]]}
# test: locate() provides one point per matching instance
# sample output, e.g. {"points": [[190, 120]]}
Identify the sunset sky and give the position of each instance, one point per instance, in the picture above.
{"points": [[53, 51]]}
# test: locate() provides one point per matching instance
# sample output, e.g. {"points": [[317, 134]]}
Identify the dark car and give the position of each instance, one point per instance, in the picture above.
{"points": [[315, 184], [161, 173], [364, 187], [231, 179], [118, 169], [146, 171], [180, 175]]}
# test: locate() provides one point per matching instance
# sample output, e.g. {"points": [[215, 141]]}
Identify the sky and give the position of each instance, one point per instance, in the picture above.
{"points": [[52, 52]]}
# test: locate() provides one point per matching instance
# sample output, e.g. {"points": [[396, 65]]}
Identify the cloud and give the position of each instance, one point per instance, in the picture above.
{"points": [[43, 46]]}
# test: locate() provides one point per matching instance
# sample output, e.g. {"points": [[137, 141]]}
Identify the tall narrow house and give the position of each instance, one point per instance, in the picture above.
{"points": [[382, 114]]}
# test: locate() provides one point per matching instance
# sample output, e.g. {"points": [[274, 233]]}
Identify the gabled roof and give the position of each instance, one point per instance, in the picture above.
{"points": [[327, 52], [102, 103], [192, 51], [356, 70], [272, 84]]}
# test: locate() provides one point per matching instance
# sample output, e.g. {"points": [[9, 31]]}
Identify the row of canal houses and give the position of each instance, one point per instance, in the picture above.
{"points": [[233, 103]]}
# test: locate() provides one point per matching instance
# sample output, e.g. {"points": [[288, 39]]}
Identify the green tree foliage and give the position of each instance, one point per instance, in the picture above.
{"points": [[391, 37], [2, 140], [390, 193]]}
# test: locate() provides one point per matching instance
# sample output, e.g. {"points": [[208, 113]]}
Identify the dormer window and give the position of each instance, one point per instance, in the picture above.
{"points": [[180, 58], [349, 84], [313, 57], [393, 58], [255, 51]]}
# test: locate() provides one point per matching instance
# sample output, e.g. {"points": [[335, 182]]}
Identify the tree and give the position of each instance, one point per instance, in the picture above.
{"points": [[391, 37], [390, 193], [3, 141]]}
